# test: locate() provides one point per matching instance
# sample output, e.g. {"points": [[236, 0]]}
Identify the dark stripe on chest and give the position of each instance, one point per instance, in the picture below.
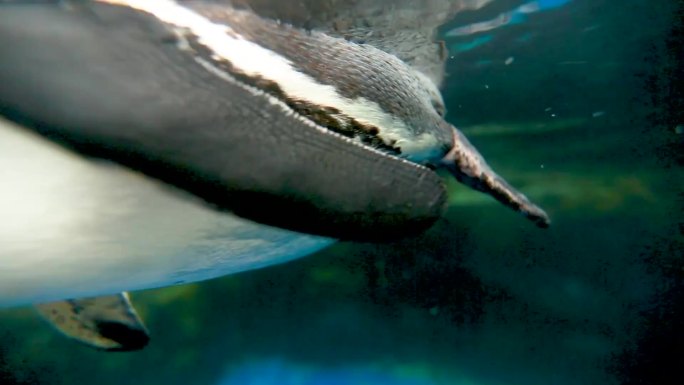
{"points": [[325, 116]]}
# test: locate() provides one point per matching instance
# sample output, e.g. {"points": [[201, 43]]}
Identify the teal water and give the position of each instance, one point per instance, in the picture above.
{"points": [[579, 103]]}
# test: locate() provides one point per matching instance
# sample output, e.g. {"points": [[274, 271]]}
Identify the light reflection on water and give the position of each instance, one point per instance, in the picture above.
{"points": [[516, 16], [282, 372]]}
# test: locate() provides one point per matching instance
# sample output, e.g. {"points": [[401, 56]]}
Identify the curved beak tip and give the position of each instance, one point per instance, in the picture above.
{"points": [[538, 217], [469, 167]]}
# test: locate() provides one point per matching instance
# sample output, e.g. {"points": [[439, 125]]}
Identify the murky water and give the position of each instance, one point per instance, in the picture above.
{"points": [[577, 102]]}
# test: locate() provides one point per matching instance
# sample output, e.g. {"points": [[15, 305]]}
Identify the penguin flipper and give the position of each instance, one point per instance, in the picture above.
{"points": [[107, 323], [111, 83]]}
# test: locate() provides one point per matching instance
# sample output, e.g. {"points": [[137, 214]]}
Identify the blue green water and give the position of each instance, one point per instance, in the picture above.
{"points": [[579, 103]]}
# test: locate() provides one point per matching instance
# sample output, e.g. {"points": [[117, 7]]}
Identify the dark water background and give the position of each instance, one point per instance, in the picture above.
{"points": [[579, 103]]}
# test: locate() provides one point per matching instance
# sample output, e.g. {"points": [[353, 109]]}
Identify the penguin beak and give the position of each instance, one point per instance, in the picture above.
{"points": [[469, 167]]}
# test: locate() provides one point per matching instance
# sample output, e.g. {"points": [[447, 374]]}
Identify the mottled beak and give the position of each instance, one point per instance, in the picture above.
{"points": [[469, 167]]}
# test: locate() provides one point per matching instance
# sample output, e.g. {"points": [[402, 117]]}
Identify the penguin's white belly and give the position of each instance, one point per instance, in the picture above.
{"points": [[70, 227]]}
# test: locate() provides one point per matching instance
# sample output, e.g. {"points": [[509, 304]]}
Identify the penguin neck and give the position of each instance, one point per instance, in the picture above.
{"points": [[326, 60], [333, 82]]}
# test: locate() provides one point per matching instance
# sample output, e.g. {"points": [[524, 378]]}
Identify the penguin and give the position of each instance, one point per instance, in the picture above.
{"points": [[153, 143]]}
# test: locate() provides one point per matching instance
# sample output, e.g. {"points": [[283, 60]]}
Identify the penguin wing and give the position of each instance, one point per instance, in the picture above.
{"points": [[111, 83], [404, 28]]}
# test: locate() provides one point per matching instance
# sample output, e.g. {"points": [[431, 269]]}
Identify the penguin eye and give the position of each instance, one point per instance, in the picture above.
{"points": [[439, 107]]}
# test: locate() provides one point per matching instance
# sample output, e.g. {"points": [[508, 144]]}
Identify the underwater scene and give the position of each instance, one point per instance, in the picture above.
{"points": [[577, 103]]}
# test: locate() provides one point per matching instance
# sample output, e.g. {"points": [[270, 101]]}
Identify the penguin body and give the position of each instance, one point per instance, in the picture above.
{"points": [[160, 142], [76, 228]]}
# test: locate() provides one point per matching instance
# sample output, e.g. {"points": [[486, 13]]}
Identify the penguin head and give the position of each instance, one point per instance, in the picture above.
{"points": [[341, 86], [384, 103]]}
